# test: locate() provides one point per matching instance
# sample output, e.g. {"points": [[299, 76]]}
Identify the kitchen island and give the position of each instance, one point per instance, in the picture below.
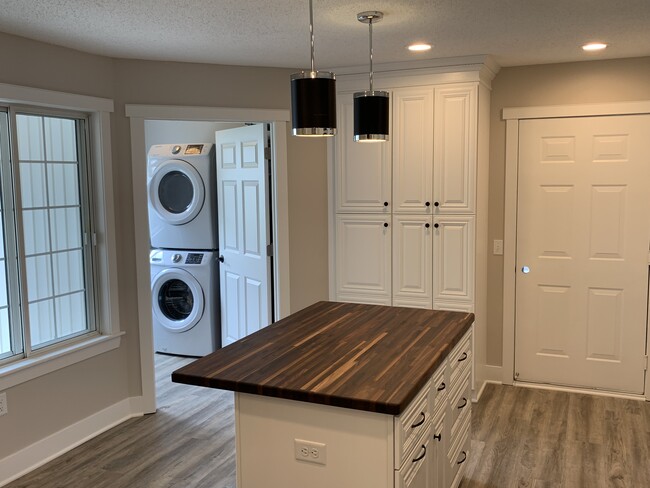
{"points": [[348, 395]]}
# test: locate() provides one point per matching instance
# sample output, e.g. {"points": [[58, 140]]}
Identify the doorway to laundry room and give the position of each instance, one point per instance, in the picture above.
{"points": [[209, 208]]}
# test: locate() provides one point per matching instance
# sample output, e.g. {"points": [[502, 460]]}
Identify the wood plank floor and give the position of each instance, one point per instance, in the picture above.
{"points": [[524, 437], [521, 438]]}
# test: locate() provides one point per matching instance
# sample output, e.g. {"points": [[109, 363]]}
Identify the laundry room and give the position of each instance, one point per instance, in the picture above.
{"points": [[184, 258]]}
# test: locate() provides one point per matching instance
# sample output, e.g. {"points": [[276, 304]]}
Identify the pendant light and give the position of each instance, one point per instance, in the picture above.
{"points": [[313, 97], [370, 106]]}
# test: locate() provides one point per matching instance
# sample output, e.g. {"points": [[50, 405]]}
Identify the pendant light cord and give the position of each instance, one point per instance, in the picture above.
{"points": [[311, 32], [370, 29]]}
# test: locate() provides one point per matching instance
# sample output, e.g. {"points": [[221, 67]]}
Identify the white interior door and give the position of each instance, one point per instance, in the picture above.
{"points": [[583, 234], [244, 231]]}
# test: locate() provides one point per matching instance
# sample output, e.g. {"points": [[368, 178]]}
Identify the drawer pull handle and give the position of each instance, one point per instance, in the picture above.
{"points": [[463, 357], [420, 458], [438, 437], [464, 404], [417, 424], [464, 458], [442, 387]]}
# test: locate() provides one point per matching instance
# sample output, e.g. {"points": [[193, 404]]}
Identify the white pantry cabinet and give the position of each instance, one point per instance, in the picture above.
{"points": [[425, 175], [363, 267], [363, 169]]}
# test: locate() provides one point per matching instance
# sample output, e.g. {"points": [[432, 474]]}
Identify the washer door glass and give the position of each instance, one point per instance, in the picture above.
{"points": [[175, 192], [175, 299], [178, 299]]}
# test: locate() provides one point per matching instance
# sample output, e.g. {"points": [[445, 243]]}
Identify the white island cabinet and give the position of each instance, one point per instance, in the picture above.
{"points": [[349, 396]]}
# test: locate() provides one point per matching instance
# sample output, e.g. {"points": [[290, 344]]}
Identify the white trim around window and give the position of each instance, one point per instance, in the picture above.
{"points": [[108, 335]]}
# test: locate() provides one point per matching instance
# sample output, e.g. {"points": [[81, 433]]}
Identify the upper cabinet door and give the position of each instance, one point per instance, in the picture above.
{"points": [[455, 149], [362, 169], [413, 150]]}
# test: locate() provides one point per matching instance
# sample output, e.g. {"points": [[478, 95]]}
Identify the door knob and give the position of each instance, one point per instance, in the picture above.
{"points": [[525, 269], [221, 259]]}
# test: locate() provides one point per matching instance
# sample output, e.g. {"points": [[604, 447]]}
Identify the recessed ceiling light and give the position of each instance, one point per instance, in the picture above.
{"points": [[419, 47], [594, 46]]}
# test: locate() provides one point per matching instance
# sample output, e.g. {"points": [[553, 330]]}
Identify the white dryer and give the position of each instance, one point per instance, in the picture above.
{"points": [[185, 302], [181, 185]]}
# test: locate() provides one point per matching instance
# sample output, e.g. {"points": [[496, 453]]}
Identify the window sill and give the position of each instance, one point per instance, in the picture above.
{"points": [[27, 369]]}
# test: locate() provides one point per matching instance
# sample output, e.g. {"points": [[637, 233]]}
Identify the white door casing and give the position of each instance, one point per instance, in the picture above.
{"points": [[244, 231], [583, 232]]}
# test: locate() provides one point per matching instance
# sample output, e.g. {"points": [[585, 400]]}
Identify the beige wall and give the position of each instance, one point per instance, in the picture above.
{"points": [[553, 84], [47, 404]]}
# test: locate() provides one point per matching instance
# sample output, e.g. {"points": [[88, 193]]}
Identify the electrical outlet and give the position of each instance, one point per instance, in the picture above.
{"points": [[309, 451], [498, 247], [3, 403]]}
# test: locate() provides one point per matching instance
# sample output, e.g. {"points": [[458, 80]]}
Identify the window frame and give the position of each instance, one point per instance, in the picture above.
{"points": [[102, 220]]}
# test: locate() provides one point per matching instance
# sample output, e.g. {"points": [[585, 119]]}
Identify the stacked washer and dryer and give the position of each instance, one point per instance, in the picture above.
{"points": [[181, 185]]}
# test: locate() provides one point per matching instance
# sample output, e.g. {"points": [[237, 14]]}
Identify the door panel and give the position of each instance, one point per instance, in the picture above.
{"points": [[413, 150], [363, 175], [583, 235], [244, 231], [363, 250], [453, 251], [412, 261]]}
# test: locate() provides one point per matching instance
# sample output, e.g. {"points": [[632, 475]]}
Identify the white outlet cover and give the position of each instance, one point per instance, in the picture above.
{"points": [[310, 451]]}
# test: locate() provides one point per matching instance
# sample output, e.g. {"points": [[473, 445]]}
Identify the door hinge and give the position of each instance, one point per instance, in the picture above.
{"points": [[645, 368], [267, 153], [269, 250], [516, 375]]}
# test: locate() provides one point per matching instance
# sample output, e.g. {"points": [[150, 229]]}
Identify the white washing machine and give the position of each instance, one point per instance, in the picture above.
{"points": [[185, 302], [181, 185]]}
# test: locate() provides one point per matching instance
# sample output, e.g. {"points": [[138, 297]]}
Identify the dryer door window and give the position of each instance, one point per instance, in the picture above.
{"points": [[178, 300], [176, 192]]}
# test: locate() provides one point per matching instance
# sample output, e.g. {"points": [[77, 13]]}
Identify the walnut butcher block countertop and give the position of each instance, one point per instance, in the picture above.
{"points": [[365, 357]]}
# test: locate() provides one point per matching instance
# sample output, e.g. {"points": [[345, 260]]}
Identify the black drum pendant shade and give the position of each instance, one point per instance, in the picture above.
{"points": [[313, 97], [371, 107]]}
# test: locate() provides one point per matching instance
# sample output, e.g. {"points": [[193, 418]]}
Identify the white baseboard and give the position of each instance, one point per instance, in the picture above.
{"points": [[35, 455], [485, 374], [583, 391]]}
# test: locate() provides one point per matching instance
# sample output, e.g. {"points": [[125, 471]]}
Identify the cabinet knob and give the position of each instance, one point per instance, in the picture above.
{"points": [[436, 225], [221, 259], [385, 224], [385, 204], [428, 204], [427, 225], [438, 437], [436, 204]]}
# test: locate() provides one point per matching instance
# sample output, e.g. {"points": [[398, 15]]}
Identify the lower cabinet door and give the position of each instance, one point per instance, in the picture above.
{"points": [[453, 258], [412, 261], [363, 257]]}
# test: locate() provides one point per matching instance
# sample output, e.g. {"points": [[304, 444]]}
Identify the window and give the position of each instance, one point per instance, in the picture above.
{"points": [[46, 245]]}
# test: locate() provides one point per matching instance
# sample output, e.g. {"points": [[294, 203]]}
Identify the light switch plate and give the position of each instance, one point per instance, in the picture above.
{"points": [[3, 403], [498, 247]]}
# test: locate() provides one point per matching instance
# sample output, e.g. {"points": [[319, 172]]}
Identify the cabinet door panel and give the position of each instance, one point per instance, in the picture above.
{"points": [[363, 258], [412, 261], [363, 174], [413, 150], [455, 149], [453, 251]]}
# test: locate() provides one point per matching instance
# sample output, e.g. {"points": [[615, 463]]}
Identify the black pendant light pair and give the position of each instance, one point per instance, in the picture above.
{"points": [[313, 98]]}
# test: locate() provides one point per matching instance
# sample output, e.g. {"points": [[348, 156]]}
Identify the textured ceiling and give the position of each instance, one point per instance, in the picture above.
{"points": [[276, 32]]}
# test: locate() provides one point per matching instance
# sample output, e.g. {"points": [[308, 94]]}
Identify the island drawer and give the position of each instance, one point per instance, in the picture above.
{"points": [[408, 427], [415, 473], [460, 357], [461, 399], [459, 453], [439, 390]]}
